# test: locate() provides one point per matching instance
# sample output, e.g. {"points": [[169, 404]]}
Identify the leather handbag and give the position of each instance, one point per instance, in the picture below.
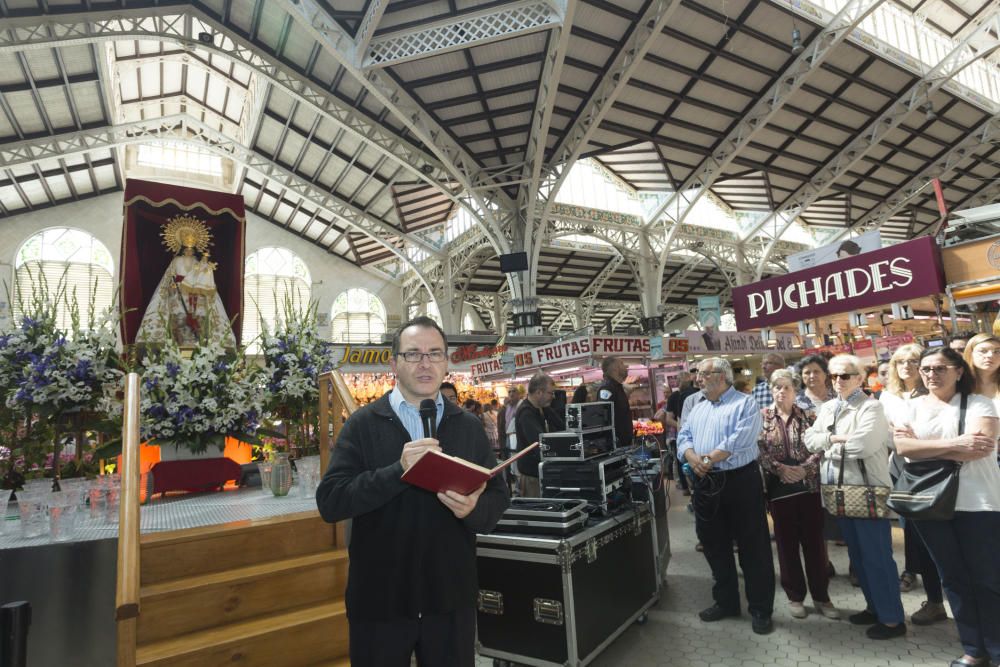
{"points": [[855, 501], [927, 490]]}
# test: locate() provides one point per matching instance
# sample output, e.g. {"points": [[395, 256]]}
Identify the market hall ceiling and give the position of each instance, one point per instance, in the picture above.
{"points": [[364, 126]]}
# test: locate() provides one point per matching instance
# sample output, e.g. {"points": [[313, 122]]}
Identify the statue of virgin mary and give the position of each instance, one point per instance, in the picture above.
{"points": [[186, 305]]}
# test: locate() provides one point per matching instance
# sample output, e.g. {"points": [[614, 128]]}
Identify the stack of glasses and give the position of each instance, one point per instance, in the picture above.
{"points": [[309, 475]]}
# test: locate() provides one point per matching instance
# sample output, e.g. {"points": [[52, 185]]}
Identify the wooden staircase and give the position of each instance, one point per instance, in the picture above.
{"points": [[265, 593]]}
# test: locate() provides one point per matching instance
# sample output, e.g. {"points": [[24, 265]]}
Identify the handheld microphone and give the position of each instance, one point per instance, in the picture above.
{"points": [[428, 416]]}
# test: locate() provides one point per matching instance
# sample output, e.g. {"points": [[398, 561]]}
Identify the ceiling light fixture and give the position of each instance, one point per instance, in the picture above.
{"points": [[797, 47]]}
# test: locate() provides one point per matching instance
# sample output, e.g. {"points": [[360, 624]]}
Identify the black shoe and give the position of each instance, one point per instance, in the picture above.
{"points": [[866, 617], [881, 631], [979, 662], [717, 613], [762, 625]]}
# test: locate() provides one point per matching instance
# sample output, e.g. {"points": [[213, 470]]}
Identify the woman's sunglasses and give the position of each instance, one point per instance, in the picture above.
{"points": [[842, 376]]}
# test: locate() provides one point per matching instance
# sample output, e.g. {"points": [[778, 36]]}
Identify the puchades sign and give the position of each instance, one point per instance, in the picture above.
{"points": [[899, 273]]}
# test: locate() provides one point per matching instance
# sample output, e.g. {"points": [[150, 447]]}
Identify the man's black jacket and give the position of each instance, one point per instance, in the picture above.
{"points": [[529, 422], [409, 554]]}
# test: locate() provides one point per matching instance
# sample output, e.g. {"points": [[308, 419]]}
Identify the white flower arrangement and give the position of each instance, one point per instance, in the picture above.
{"points": [[197, 402]]}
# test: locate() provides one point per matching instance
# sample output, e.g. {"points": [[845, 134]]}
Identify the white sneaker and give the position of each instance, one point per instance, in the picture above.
{"points": [[797, 609], [828, 610]]}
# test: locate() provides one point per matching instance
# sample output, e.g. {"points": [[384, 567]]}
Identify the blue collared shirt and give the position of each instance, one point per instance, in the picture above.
{"points": [[731, 424], [409, 415]]}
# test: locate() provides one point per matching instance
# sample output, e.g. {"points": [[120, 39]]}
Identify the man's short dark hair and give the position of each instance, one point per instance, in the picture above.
{"points": [[448, 385], [421, 321], [607, 363], [539, 381]]}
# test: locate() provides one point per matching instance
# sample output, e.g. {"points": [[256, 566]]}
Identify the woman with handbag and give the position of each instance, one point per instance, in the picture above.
{"points": [[853, 435], [903, 386], [792, 489], [951, 424]]}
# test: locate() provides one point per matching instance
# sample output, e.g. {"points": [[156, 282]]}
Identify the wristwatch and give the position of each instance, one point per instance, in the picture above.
{"points": [[707, 460]]}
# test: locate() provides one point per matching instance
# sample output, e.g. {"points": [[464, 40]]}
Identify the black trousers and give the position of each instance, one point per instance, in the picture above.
{"points": [[729, 505], [439, 640]]}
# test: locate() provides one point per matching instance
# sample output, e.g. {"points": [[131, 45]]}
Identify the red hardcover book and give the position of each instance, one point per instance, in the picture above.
{"points": [[438, 472]]}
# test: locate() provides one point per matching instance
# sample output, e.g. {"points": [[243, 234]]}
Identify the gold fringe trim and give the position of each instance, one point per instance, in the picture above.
{"points": [[170, 201]]}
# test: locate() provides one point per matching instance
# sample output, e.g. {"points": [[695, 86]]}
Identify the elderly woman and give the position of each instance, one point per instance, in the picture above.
{"points": [[965, 548], [815, 383], [903, 385], [855, 427], [791, 474]]}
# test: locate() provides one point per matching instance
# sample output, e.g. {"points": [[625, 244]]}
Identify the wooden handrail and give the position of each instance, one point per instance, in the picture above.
{"points": [[127, 593], [334, 398]]}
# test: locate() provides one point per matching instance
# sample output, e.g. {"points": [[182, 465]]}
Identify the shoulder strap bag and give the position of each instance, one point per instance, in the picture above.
{"points": [[927, 490], [855, 501]]}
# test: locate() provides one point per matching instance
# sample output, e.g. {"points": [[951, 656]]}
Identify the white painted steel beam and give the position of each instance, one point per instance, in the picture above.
{"points": [[675, 208], [178, 25], [912, 99], [460, 32], [628, 59], [461, 166], [523, 233], [986, 135], [183, 128]]}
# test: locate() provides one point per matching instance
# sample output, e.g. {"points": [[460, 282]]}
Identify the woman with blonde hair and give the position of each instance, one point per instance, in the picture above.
{"points": [[853, 435], [982, 354]]}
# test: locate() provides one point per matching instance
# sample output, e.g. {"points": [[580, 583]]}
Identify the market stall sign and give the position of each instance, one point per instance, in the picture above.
{"points": [[365, 356], [570, 350], [898, 273], [736, 341], [470, 352]]}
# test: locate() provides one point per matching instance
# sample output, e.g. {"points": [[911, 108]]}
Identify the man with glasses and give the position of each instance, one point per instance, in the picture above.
{"points": [[412, 583], [534, 416], [719, 441]]}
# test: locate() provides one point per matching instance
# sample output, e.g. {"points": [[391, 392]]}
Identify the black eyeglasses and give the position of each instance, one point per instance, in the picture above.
{"points": [[414, 357], [934, 370], [842, 376]]}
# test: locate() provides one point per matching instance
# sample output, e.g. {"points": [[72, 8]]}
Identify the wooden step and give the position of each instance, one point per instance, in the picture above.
{"points": [[177, 607], [339, 662], [294, 638], [177, 554]]}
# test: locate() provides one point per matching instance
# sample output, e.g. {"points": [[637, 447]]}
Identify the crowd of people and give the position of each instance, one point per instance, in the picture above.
{"points": [[823, 426], [787, 447]]}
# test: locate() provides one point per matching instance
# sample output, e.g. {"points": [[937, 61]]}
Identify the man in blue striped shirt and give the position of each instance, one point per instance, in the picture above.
{"points": [[719, 440]]}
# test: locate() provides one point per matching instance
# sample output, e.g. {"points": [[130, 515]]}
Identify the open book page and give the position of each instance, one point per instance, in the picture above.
{"points": [[438, 472]]}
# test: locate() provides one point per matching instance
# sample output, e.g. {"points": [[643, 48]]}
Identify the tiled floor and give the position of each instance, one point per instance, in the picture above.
{"points": [[675, 636]]}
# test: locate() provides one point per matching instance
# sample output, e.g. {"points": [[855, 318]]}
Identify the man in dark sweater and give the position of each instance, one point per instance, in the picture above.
{"points": [[534, 417], [412, 585]]}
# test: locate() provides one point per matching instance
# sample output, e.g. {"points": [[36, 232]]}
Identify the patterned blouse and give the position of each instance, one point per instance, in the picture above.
{"points": [[780, 440]]}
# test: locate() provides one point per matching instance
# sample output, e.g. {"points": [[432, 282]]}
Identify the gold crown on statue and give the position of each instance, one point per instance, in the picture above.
{"points": [[186, 231]]}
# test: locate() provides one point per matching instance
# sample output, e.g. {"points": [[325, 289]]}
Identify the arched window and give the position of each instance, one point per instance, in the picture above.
{"points": [[358, 316], [64, 261], [274, 278]]}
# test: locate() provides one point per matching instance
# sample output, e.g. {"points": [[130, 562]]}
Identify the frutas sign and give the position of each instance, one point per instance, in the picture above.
{"points": [[568, 350], [898, 273]]}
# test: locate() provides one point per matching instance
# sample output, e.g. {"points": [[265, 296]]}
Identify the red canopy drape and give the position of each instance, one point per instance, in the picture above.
{"points": [[144, 258]]}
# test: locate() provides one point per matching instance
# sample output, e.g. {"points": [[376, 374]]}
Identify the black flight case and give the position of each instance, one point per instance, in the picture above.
{"points": [[562, 600]]}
